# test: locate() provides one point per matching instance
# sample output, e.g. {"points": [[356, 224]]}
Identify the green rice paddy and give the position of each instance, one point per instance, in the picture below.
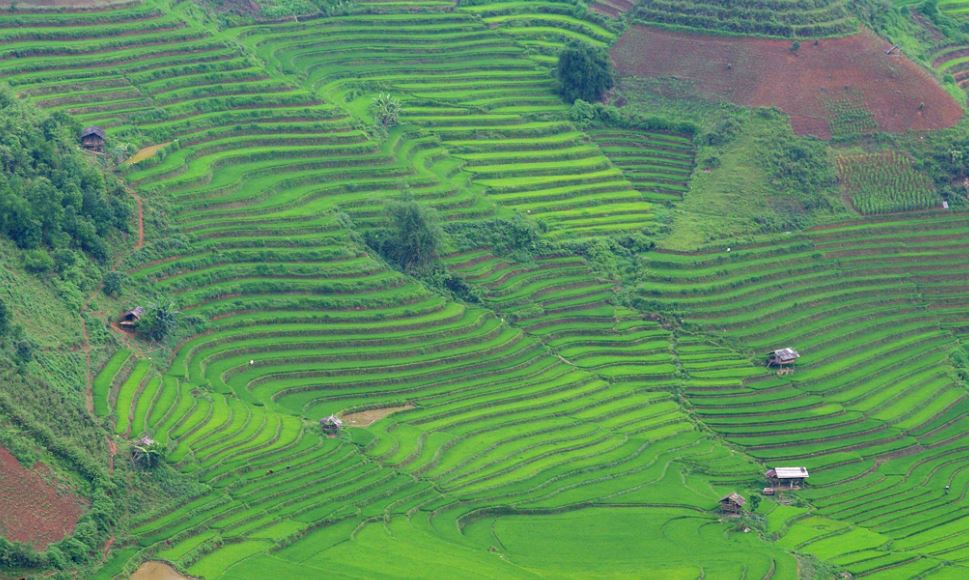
{"points": [[553, 430]]}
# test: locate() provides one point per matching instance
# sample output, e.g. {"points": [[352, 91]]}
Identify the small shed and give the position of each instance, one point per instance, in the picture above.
{"points": [[789, 477], [331, 424], [92, 139], [130, 318], [732, 504], [783, 359], [768, 491]]}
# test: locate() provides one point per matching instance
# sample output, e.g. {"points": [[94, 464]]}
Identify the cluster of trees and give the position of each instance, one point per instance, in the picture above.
{"points": [[52, 197], [14, 343], [583, 72], [410, 239]]}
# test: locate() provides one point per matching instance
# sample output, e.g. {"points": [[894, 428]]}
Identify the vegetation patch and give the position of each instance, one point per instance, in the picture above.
{"points": [[885, 182], [751, 17]]}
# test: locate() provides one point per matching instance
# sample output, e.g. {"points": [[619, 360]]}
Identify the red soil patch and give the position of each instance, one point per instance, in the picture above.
{"points": [[763, 72], [34, 510], [612, 8]]}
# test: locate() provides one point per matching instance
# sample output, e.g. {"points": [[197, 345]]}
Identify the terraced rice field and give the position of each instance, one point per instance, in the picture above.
{"points": [[751, 17], [302, 321], [542, 412], [875, 308], [658, 165], [493, 108], [953, 60], [955, 8]]}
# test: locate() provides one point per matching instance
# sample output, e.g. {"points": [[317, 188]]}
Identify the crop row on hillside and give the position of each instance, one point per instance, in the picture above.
{"points": [[885, 182]]}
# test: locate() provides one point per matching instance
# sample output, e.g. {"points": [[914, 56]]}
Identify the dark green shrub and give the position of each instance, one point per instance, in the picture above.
{"points": [[583, 72], [114, 283], [38, 261], [410, 238], [158, 323]]}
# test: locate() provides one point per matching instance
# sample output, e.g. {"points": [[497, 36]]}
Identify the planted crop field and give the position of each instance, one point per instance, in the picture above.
{"points": [[543, 413], [488, 103], [953, 60], [658, 165], [885, 182], [872, 405], [751, 17], [825, 86]]}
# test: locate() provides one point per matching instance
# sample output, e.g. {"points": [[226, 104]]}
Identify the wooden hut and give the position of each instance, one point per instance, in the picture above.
{"points": [[789, 477], [130, 318], [331, 424], [732, 504], [92, 139], [783, 359]]}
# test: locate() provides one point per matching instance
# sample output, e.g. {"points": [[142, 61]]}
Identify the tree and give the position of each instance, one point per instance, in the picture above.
{"points": [[386, 110], [158, 323], [411, 238], [113, 283], [146, 452], [4, 318], [583, 72]]}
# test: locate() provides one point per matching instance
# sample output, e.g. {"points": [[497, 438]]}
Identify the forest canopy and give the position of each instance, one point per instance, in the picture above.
{"points": [[51, 195]]}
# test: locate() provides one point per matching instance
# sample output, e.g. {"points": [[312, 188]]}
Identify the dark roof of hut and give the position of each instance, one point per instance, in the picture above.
{"points": [[92, 130], [734, 498]]}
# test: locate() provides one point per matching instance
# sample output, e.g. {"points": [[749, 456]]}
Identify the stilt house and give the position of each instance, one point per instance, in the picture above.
{"points": [[783, 359], [92, 139], [789, 477], [331, 424], [732, 504]]}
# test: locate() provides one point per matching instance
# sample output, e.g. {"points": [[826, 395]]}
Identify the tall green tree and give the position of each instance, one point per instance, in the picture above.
{"points": [[583, 72], [411, 238]]}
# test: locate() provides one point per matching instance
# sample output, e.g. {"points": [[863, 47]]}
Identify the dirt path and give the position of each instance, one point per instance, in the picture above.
{"points": [[107, 548], [112, 451], [89, 378], [155, 570], [140, 242]]}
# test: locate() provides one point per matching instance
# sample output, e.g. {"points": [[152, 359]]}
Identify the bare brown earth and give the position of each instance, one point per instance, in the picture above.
{"points": [[371, 416], [34, 509], [154, 570], [761, 72], [612, 7]]}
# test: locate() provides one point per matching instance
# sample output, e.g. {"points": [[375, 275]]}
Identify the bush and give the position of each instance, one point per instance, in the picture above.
{"points": [[386, 110], [4, 319], [51, 195], [158, 323], [410, 239], [583, 72], [113, 283], [38, 261]]}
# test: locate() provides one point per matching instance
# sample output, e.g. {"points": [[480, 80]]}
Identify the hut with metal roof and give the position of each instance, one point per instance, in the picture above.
{"points": [[92, 139], [789, 477], [732, 504], [783, 359], [331, 425]]}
